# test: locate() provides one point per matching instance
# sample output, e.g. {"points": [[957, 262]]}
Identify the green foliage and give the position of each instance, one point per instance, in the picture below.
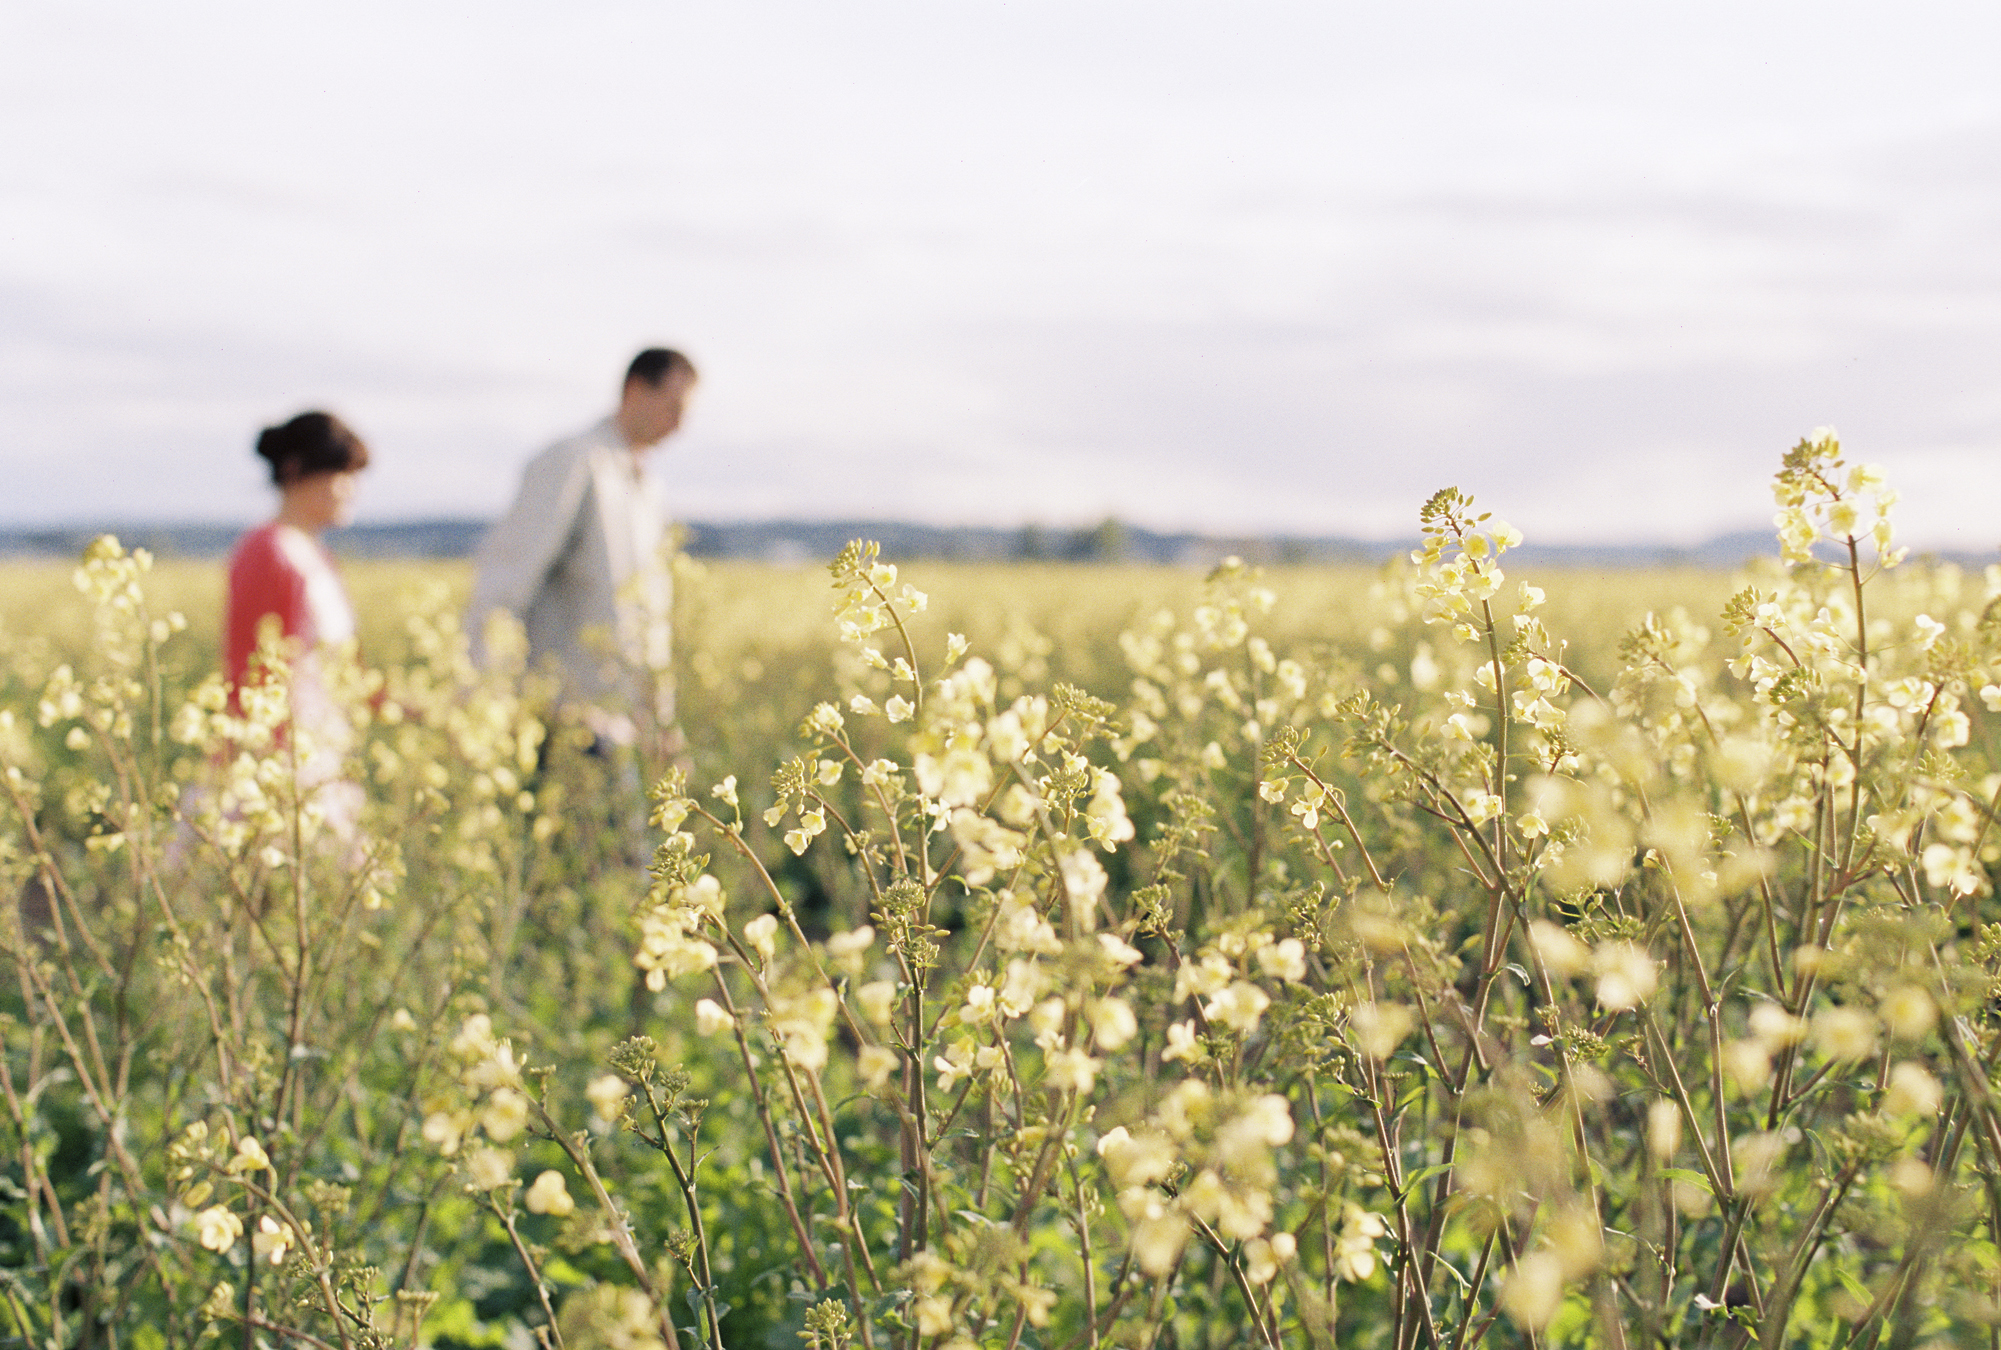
{"points": [[1153, 970]]}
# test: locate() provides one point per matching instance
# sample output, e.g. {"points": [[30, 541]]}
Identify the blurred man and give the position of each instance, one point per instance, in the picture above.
{"points": [[581, 559]]}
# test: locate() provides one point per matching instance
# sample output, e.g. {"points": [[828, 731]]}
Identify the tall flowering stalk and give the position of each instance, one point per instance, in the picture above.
{"points": [[1466, 982]]}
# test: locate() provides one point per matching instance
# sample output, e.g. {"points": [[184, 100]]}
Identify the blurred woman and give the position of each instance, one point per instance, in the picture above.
{"points": [[281, 577]]}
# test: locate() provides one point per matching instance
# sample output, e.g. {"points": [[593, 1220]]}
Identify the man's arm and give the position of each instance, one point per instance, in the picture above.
{"points": [[515, 558]]}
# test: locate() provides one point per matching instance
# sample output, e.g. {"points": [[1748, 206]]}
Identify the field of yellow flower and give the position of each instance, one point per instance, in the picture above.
{"points": [[1025, 957]]}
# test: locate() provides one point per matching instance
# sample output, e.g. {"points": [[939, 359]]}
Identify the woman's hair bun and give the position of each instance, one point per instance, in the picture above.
{"points": [[311, 443]]}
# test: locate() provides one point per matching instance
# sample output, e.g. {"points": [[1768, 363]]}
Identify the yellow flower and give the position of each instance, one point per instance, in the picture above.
{"points": [[1912, 1091], [760, 934], [1378, 1028], [1663, 1128], [489, 1168], [1562, 955], [1112, 1022], [1157, 1242], [1909, 1012], [1533, 1290], [217, 1229], [875, 1063], [1627, 975], [1240, 1007], [1844, 1033], [549, 1195], [1070, 1071], [878, 1000], [1181, 1043], [710, 1017], [272, 1241], [250, 1157], [445, 1129], [506, 1114], [1284, 960], [606, 1094]]}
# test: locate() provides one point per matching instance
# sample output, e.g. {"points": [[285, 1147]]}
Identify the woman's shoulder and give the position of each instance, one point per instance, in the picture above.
{"points": [[256, 548], [276, 548]]}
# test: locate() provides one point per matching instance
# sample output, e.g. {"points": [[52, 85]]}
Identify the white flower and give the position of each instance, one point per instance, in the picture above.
{"points": [[271, 1241], [1627, 975], [506, 1114], [1912, 1091], [1181, 1042], [549, 1195], [250, 1157], [710, 1018], [1909, 1012], [811, 825], [1085, 880], [1663, 1128], [875, 1063], [1355, 1249], [1238, 1007], [217, 1229], [1533, 1290], [979, 1006], [1482, 807], [1157, 1241], [445, 1129], [1070, 1071], [841, 946], [1023, 984], [1562, 955], [1774, 1027], [1377, 1029], [760, 934], [1112, 1022], [1118, 951], [899, 708], [1284, 960], [489, 1168], [954, 1064], [1844, 1033], [606, 1094], [878, 1000]]}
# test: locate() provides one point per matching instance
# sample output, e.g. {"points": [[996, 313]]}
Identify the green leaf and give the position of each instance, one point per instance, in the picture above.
{"points": [[1412, 1180], [1684, 1174]]}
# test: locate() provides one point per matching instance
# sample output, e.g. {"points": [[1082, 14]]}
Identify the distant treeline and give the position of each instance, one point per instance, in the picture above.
{"points": [[808, 541]]}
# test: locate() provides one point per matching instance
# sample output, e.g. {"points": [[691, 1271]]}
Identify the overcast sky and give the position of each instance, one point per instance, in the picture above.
{"points": [[1234, 265]]}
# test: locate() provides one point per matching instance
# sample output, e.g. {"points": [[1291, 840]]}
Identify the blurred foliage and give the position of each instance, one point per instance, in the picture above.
{"points": [[1050, 955]]}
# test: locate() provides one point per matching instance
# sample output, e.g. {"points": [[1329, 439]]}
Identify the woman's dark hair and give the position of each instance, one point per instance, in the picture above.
{"points": [[312, 442]]}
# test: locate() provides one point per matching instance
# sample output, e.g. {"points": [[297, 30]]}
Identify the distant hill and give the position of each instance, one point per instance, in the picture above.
{"points": [[807, 541]]}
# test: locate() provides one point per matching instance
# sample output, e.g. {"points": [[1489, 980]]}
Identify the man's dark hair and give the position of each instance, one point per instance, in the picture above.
{"points": [[655, 364], [312, 442]]}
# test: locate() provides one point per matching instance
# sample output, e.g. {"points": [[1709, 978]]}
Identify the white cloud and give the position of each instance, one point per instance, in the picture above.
{"points": [[1281, 265]]}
